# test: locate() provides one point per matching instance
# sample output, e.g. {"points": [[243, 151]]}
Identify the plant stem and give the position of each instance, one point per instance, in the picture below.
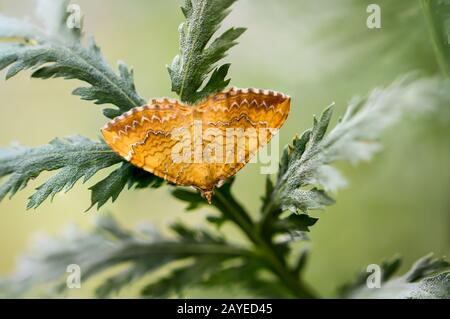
{"points": [[437, 38], [277, 264]]}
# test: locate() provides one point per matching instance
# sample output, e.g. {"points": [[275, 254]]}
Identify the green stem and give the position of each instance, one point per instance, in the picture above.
{"points": [[266, 249], [136, 250], [437, 38]]}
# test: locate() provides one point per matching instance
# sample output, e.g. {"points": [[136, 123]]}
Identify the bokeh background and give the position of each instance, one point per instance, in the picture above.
{"points": [[317, 51]]}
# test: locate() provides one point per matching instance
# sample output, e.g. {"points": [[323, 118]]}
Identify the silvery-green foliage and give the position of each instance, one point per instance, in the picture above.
{"points": [[54, 50], [74, 157], [305, 174], [108, 245], [428, 278], [197, 58]]}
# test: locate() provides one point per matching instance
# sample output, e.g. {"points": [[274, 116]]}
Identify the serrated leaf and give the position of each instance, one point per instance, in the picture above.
{"points": [[426, 266], [305, 173], [106, 247], [183, 277], [305, 200], [115, 182], [58, 52], [194, 199], [292, 228], [294, 222], [428, 278], [197, 59], [216, 83], [248, 274], [74, 158]]}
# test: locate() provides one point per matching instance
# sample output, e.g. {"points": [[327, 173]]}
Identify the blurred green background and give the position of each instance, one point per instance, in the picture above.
{"points": [[317, 52]]}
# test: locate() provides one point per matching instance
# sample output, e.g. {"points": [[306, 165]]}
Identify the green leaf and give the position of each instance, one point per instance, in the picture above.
{"points": [[426, 266], [193, 198], [267, 198], [305, 174], [57, 51], [74, 158], [247, 274], [107, 246], [300, 222], [428, 278], [114, 183], [222, 199], [186, 233], [216, 83], [197, 59], [182, 277], [305, 200], [301, 261], [438, 18], [388, 269], [292, 228]]}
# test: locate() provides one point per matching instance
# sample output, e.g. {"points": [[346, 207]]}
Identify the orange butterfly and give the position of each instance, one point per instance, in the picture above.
{"points": [[200, 145]]}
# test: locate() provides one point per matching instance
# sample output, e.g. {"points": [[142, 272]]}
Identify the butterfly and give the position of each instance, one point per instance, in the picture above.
{"points": [[199, 145]]}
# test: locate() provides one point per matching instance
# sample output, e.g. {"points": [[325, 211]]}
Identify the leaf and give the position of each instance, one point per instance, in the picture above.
{"points": [[301, 261], [388, 269], [74, 158], [300, 222], [194, 199], [106, 247], [428, 278], [266, 199], [305, 200], [114, 183], [426, 266], [222, 200], [182, 277], [292, 228], [438, 18], [58, 52], [189, 234], [197, 59], [247, 274], [204, 272], [305, 174]]}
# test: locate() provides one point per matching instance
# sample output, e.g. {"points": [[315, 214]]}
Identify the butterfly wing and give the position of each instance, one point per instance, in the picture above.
{"points": [[144, 136], [248, 118], [147, 136]]}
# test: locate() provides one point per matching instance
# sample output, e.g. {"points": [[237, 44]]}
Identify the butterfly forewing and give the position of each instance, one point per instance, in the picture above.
{"points": [[124, 132]]}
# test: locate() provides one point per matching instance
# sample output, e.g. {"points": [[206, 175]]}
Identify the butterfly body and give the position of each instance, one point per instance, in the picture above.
{"points": [[200, 145]]}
